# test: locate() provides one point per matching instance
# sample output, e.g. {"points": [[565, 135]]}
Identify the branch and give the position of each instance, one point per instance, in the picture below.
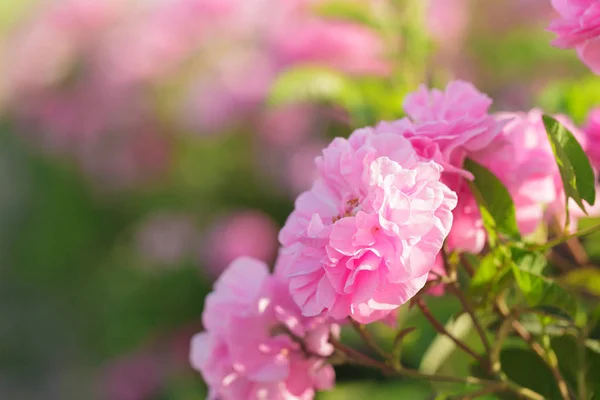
{"points": [[490, 385], [469, 309], [568, 239], [441, 330], [368, 338], [535, 346]]}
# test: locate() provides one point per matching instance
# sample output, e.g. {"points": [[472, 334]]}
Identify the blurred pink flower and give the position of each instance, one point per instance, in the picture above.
{"points": [[263, 39], [579, 27], [362, 241], [287, 126], [45, 50], [157, 40], [522, 159], [72, 108], [132, 377], [448, 21], [233, 92], [243, 233], [246, 351], [340, 45], [166, 237], [467, 232], [526, 165], [592, 133]]}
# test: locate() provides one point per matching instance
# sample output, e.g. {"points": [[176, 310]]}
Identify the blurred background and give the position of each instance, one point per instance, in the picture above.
{"points": [[144, 144]]}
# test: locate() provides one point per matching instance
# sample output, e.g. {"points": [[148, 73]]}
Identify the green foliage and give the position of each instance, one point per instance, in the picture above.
{"points": [[574, 166], [584, 279], [576, 98], [315, 84], [488, 275], [540, 291], [530, 261], [527, 369], [494, 201], [570, 354], [360, 12]]}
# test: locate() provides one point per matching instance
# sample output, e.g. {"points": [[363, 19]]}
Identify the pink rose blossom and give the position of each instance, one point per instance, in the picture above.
{"points": [[363, 239], [467, 232], [526, 165], [522, 158], [592, 133], [447, 127], [450, 124], [579, 27], [247, 351]]}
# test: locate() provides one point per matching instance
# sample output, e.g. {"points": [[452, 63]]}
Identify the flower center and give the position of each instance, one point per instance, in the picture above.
{"points": [[351, 208]]}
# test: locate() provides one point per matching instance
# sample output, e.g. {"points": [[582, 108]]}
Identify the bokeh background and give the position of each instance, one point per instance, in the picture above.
{"points": [[144, 144]]}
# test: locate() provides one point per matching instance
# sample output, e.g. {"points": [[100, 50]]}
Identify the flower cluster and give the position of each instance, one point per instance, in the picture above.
{"points": [[368, 235], [257, 345]]}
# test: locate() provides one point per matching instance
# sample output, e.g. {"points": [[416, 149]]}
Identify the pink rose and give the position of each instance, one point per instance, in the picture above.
{"points": [[247, 350], [467, 232], [521, 157], [450, 124], [363, 239], [579, 27]]}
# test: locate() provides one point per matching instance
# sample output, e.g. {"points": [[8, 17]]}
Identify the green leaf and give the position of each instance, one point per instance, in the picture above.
{"points": [[359, 12], [488, 274], [585, 279], [526, 368], [574, 166], [540, 291], [495, 204], [568, 352], [530, 261], [314, 84]]}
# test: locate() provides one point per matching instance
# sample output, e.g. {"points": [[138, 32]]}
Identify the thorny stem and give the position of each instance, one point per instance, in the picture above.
{"points": [[467, 265], [501, 337], [441, 330], [476, 394], [368, 338], [491, 386], [469, 309], [581, 372], [574, 246], [520, 330]]}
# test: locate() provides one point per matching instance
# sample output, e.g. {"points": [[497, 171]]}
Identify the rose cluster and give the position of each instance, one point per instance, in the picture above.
{"points": [[368, 235]]}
